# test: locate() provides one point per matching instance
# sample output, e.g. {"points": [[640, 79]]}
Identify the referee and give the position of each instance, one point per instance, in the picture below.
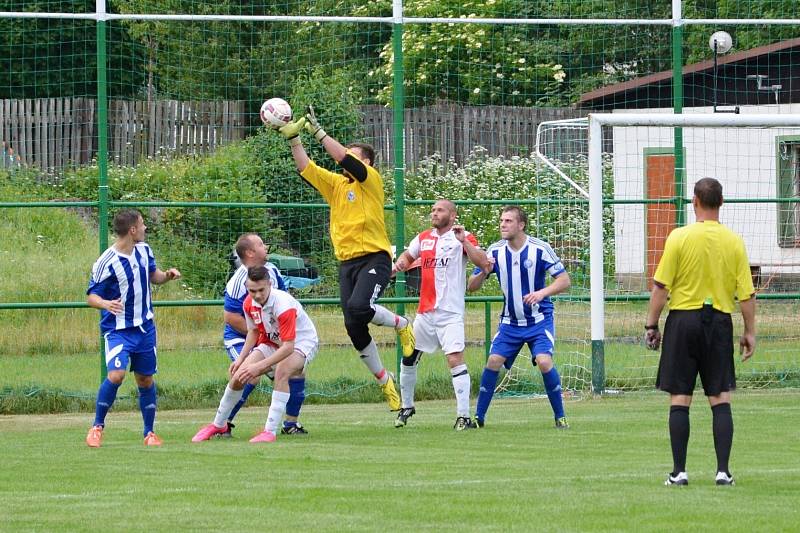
{"points": [[358, 233], [703, 268]]}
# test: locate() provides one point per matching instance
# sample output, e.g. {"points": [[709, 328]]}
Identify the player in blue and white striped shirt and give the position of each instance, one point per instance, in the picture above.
{"points": [[522, 264], [120, 288], [251, 251]]}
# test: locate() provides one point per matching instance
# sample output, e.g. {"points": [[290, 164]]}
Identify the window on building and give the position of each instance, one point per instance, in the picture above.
{"points": [[789, 187]]}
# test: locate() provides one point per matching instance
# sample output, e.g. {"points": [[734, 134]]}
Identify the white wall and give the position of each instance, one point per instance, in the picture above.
{"points": [[743, 159]]}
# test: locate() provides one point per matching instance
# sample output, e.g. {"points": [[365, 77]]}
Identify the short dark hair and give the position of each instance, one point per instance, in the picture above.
{"points": [[244, 243], [368, 150], [124, 220], [708, 192], [522, 216], [258, 273]]}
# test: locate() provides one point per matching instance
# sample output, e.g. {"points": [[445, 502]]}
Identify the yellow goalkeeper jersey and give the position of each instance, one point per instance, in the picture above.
{"points": [[357, 226], [705, 261]]}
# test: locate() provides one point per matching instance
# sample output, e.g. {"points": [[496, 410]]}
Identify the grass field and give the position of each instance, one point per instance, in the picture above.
{"points": [[355, 472]]}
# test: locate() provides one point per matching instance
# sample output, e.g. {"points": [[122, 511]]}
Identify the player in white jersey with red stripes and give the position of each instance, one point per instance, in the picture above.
{"points": [[279, 334], [444, 251]]}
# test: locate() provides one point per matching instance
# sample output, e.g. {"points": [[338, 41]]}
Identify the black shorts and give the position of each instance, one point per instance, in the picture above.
{"points": [[697, 342], [362, 281]]}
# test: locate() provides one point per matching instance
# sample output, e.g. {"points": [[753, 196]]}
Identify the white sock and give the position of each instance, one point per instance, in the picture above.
{"points": [[408, 381], [277, 407], [226, 405], [370, 357], [384, 317], [461, 384]]}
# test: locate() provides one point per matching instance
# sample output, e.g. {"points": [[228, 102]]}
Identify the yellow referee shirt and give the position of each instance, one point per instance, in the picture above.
{"points": [[357, 225], [701, 261]]}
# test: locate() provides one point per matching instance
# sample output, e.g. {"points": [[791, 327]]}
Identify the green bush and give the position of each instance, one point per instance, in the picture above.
{"points": [[562, 217], [258, 170]]}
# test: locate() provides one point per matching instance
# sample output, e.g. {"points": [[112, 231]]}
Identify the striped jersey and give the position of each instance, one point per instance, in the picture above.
{"points": [[127, 278], [235, 294], [443, 262], [279, 320], [522, 272]]}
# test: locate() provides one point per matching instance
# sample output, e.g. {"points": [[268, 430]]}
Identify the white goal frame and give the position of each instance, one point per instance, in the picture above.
{"points": [[596, 259]]}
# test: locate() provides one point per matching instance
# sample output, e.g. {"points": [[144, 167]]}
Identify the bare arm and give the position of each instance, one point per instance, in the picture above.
{"points": [[334, 148], [247, 373], [747, 344], [301, 159], [658, 299], [236, 321], [249, 344], [475, 254], [402, 263], [476, 280], [112, 306], [159, 277], [561, 283]]}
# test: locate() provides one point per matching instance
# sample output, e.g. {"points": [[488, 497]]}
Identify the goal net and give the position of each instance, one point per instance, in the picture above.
{"points": [[756, 158]]}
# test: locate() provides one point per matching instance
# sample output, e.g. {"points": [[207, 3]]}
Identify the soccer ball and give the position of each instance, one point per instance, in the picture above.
{"points": [[276, 113]]}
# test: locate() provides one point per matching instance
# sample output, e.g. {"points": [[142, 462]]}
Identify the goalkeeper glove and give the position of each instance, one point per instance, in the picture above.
{"points": [[312, 125], [292, 131]]}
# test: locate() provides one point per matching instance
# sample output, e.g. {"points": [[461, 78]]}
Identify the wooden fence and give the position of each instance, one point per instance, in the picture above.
{"points": [[53, 133], [454, 130]]}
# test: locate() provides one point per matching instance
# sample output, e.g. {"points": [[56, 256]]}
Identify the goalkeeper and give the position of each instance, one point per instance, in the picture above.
{"points": [[360, 243]]}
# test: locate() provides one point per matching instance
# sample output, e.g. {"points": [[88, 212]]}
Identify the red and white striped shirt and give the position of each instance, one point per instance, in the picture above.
{"points": [[443, 261], [279, 320]]}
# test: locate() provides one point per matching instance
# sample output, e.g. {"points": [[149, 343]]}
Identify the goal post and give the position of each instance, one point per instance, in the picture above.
{"points": [[744, 152]]}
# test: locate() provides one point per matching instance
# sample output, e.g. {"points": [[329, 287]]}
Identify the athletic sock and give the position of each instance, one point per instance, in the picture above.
{"points": [[147, 405], [226, 404], [461, 386], [277, 407], [488, 383], [679, 436], [384, 317], [370, 357], [408, 382], [723, 434], [248, 388], [106, 395], [297, 395], [552, 384]]}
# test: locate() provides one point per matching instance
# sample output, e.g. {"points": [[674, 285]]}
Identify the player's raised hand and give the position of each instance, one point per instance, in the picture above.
{"points": [[173, 273], [114, 306], [312, 125], [292, 129], [459, 232], [747, 345]]}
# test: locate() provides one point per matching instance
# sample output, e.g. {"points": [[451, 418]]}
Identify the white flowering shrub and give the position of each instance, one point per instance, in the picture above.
{"points": [[560, 215]]}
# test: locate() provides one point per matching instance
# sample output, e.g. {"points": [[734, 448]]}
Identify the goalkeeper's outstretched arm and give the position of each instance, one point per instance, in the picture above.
{"points": [[292, 133], [334, 148]]}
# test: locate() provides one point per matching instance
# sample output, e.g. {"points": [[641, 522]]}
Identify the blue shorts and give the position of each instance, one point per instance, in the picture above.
{"points": [[234, 351], [509, 340], [135, 345]]}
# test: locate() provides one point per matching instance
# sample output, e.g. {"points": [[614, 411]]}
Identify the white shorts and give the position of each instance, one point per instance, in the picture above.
{"points": [[308, 349], [439, 329]]}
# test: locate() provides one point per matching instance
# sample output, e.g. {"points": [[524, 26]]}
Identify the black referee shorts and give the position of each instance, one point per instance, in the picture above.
{"points": [[697, 342]]}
